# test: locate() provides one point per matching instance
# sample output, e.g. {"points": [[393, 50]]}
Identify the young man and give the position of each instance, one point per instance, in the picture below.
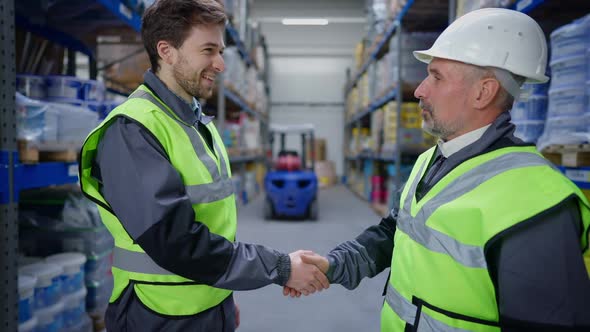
{"points": [[488, 236], [158, 170]]}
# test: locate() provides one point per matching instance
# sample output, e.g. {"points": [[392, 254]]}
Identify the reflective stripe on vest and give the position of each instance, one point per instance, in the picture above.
{"points": [[416, 228], [193, 135], [210, 192], [139, 262]]}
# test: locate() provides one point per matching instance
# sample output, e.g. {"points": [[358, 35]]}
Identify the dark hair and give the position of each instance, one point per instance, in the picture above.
{"points": [[172, 20]]}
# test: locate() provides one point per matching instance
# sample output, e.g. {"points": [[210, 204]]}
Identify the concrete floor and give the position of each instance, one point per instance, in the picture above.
{"points": [[342, 217]]}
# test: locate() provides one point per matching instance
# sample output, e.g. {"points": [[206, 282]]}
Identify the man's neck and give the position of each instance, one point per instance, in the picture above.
{"points": [[167, 78]]}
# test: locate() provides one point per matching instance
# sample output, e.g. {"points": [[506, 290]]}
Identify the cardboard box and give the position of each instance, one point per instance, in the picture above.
{"points": [[326, 173], [320, 151]]}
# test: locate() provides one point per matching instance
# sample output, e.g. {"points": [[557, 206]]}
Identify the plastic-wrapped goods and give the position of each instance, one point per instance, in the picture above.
{"points": [[35, 121], [26, 298], [571, 39], [67, 87], [84, 325], [99, 293], [413, 71], [72, 278], [567, 101], [93, 90], [74, 308], [108, 106], [58, 219], [50, 319], [32, 86], [570, 70], [564, 130], [466, 6], [28, 326], [529, 131], [90, 241], [58, 208], [60, 88], [75, 123], [47, 286], [98, 267]]}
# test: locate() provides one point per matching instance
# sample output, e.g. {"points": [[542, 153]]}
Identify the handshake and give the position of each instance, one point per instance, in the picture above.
{"points": [[308, 274]]}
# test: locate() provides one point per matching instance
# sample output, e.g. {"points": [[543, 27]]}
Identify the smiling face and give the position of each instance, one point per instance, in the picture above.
{"points": [[198, 61], [444, 96]]}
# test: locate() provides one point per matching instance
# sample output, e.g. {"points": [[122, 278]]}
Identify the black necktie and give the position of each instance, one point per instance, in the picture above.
{"points": [[432, 170]]}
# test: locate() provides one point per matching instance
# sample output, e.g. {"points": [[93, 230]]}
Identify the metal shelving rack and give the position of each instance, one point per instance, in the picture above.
{"points": [[225, 96], [413, 16]]}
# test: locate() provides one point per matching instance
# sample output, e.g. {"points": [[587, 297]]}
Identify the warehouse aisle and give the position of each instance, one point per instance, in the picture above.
{"points": [[342, 217]]}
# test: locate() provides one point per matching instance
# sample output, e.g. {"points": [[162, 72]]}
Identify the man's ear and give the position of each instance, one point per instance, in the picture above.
{"points": [[487, 90], [166, 52]]}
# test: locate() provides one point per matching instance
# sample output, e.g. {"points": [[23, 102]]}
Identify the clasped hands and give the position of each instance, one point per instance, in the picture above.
{"points": [[308, 274]]}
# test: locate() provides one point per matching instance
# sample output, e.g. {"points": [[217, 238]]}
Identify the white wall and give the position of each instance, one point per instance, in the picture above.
{"points": [[312, 80], [307, 65]]}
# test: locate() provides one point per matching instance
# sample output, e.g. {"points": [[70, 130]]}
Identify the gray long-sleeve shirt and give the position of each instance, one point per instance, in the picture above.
{"points": [[147, 194], [537, 268]]}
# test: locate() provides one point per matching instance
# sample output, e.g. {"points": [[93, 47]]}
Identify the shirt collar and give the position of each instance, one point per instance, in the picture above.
{"points": [[451, 147], [189, 113]]}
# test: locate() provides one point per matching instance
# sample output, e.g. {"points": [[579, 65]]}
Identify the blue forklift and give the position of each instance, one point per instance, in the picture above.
{"points": [[291, 188]]}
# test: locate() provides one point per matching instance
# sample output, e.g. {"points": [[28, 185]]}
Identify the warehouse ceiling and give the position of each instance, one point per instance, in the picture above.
{"points": [[338, 38]]}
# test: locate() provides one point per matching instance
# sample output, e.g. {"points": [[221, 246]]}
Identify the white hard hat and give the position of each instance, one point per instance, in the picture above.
{"points": [[494, 37]]}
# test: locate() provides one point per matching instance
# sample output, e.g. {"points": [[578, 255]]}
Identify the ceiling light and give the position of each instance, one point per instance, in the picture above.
{"points": [[305, 21]]}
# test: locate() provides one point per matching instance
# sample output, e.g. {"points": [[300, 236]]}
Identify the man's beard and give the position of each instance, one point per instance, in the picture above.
{"points": [[436, 128], [187, 81]]}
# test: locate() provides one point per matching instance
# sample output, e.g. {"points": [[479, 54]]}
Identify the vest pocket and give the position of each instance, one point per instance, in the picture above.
{"points": [[430, 318]]}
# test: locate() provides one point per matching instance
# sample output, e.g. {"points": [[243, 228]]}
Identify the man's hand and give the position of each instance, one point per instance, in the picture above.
{"points": [[305, 278], [320, 261]]}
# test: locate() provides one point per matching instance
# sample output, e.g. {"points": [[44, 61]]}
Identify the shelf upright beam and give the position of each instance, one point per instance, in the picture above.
{"points": [[8, 208], [399, 99], [220, 103]]}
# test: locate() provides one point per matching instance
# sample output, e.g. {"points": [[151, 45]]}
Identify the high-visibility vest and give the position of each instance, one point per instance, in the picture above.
{"points": [[439, 278], [206, 176]]}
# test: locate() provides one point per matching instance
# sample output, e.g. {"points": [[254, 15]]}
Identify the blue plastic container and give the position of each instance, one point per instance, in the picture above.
{"points": [[84, 326], [529, 131], [26, 297], [28, 326], [50, 319], [67, 87], [533, 109], [99, 293], [48, 286], [567, 101], [72, 278], [32, 86], [74, 308], [109, 105], [93, 90], [98, 267], [569, 71], [570, 39]]}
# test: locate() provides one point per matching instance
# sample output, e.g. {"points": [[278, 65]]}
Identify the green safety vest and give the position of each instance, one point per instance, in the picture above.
{"points": [[206, 176], [439, 279]]}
